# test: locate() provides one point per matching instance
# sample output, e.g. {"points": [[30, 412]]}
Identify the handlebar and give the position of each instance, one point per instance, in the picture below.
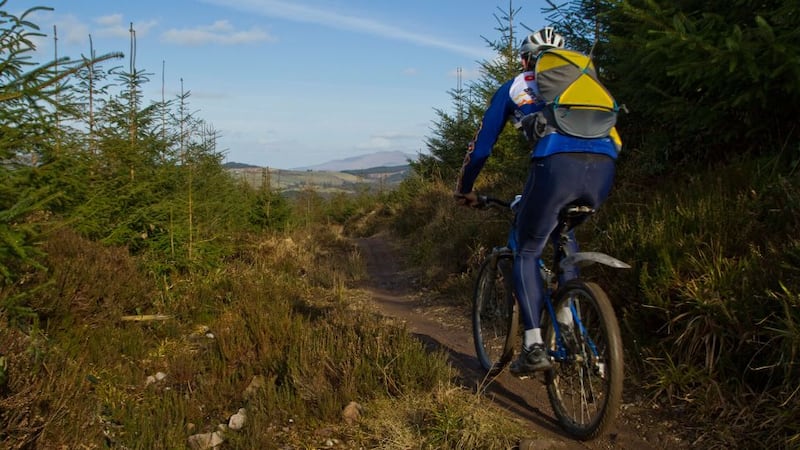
{"points": [[484, 201]]}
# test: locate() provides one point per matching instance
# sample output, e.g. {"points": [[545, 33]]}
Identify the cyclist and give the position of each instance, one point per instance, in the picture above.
{"points": [[564, 169]]}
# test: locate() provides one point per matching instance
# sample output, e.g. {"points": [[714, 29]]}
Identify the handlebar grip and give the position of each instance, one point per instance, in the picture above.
{"points": [[489, 201], [485, 201]]}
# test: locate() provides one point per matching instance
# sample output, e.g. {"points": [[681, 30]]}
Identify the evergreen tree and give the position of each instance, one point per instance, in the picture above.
{"points": [[453, 131], [271, 210], [708, 81], [29, 135]]}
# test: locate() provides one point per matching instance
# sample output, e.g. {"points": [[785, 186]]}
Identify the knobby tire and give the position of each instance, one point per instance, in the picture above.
{"points": [[495, 314], [585, 394]]}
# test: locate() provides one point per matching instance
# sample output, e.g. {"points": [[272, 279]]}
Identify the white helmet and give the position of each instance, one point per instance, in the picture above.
{"points": [[540, 40]]}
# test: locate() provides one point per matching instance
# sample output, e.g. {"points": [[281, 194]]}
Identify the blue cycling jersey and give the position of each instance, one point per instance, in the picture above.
{"points": [[515, 99]]}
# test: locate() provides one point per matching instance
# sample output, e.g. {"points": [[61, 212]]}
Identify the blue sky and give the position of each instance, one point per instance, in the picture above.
{"points": [[293, 83]]}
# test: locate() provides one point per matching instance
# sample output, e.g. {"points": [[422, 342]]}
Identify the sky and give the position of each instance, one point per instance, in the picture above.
{"points": [[293, 83]]}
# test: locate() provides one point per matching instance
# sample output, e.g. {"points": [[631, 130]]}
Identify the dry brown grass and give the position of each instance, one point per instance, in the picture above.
{"points": [[283, 310]]}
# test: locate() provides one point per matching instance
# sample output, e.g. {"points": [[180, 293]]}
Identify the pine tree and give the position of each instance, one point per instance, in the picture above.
{"points": [[30, 96], [453, 131], [708, 81]]}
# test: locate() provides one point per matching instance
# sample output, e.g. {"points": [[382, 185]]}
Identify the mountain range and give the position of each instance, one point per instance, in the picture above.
{"points": [[355, 163], [361, 162], [378, 171]]}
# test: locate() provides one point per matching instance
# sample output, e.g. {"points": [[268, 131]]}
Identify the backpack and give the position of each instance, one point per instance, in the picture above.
{"points": [[577, 102]]}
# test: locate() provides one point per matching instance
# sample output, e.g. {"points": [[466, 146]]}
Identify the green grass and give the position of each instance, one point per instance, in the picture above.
{"points": [[710, 305]]}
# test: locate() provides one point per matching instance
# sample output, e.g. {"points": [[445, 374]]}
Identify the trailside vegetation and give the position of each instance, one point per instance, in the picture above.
{"points": [[147, 296], [705, 205]]}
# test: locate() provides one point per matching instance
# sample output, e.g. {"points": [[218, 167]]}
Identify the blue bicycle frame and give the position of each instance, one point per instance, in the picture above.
{"points": [[568, 262]]}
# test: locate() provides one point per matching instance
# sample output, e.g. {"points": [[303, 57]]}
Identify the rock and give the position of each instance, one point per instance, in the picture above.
{"points": [[153, 378], [236, 421], [352, 413], [205, 441], [255, 385]]}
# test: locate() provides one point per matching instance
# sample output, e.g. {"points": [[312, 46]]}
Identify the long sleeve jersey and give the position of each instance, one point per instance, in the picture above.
{"points": [[515, 99]]}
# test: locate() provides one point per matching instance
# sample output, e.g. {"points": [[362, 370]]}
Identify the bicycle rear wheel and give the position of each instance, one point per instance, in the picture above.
{"points": [[495, 315], [585, 388]]}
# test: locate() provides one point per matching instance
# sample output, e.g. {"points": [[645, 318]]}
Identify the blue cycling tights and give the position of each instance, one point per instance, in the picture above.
{"points": [[553, 182]]}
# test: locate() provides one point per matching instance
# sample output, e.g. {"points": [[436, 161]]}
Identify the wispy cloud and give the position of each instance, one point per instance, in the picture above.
{"points": [[110, 20], [74, 31], [219, 32], [113, 25], [308, 14]]}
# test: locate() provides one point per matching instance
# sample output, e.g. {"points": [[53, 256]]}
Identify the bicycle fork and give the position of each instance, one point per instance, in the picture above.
{"points": [[565, 349]]}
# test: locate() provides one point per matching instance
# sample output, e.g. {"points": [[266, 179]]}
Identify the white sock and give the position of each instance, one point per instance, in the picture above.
{"points": [[532, 336]]}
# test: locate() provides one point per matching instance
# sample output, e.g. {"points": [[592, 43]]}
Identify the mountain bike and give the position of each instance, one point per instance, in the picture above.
{"points": [[579, 327]]}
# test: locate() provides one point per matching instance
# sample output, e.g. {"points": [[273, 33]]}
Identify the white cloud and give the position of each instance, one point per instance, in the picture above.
{"points": [[219, 32], [307, 14], [220, 25], [72, 30], [110, 20], [411, 71], [114, 26]]}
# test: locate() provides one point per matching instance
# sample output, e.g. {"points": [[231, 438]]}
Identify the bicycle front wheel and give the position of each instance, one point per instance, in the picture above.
{"points": [[495, 316], [585, 387]]}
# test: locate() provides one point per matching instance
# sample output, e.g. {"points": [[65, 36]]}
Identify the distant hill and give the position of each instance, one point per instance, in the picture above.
{"points": [[378, 171], [386, 176], [238, 165], [322, 181], [372, 160]]}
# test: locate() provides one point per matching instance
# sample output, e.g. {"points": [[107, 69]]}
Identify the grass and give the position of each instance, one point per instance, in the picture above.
{"points": [[710, 327], [447, 419], [282, 311]]}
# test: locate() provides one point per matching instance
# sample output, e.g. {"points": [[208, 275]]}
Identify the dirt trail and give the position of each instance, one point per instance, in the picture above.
{"points": [[448, 328]]}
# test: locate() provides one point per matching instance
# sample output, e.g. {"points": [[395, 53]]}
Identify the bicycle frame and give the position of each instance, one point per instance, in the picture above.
{"points": [[567, 261], [584, 385]]}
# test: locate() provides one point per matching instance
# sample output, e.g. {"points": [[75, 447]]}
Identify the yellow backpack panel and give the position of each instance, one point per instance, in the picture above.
{"points": [[577, 102]]}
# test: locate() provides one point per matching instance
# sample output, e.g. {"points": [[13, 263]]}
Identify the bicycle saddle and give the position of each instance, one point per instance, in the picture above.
{"points": [[573, 215]]}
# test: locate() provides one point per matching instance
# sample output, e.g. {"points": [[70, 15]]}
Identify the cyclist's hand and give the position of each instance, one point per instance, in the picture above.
{"points": [[468, 199]]}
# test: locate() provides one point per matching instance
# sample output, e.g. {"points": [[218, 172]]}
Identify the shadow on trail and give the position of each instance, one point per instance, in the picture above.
{"points": [[395, 295], [501, 390]]}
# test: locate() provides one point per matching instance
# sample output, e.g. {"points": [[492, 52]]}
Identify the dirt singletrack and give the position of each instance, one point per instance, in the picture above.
{"points": [[446, 327]]}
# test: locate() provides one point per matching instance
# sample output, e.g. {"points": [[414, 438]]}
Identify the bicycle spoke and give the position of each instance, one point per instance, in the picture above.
{"points": [[587, 383]]}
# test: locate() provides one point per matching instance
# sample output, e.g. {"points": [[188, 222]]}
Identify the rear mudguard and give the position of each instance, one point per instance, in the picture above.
{"points": [[582, 259]]}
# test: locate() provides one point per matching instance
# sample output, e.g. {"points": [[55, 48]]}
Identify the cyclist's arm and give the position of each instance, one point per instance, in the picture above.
{"points": [[494, 119]]}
